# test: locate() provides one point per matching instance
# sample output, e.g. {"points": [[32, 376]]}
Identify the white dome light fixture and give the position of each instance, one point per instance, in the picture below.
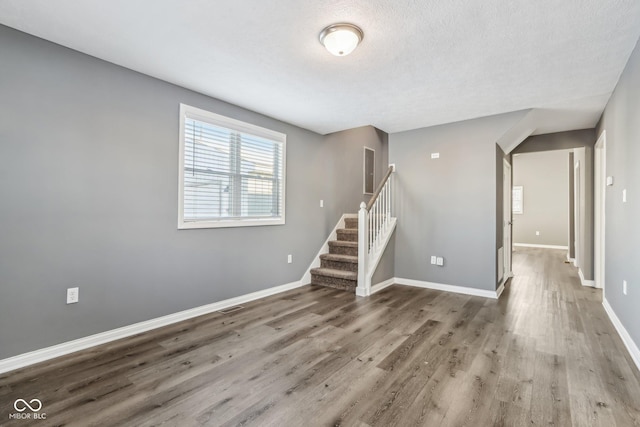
{"points": [[341, 39]]}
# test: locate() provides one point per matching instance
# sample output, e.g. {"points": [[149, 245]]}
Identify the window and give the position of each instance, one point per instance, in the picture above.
{"points": [[232, 174], [517, 200]]}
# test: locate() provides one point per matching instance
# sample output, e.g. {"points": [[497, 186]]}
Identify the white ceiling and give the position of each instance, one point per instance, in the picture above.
{"points": [[421, 63]]}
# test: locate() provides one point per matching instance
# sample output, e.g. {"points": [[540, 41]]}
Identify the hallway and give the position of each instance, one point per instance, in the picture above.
{"points": [[544, 354], [562, 325]]}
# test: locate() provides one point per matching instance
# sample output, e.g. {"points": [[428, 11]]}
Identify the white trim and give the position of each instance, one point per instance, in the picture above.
{"points": [[364, 288], [68, 347], [501, 288], [634, 352], [380, 286], [306, 277], [507, 220], [446, 288], [584, 282], [599, 217], [534, 245]]}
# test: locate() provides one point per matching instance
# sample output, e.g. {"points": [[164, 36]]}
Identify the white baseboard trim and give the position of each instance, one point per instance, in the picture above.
{"points": [[380, 286], [41, 355], [633, 349], [533, 245], [500, 288], [446, 288], [584, 282]]}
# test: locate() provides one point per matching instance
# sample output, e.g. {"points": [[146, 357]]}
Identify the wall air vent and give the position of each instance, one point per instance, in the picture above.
{"points": [[231, 309]]}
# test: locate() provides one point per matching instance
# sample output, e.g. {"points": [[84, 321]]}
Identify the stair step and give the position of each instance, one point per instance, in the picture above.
{"points": [[339, 279], [340, 247], [348, 234], [339, 262], [339, 274], [351, 223], [339, 257]]}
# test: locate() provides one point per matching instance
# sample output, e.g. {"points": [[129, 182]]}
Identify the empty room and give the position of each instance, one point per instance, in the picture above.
{"points": [[348, 213]]}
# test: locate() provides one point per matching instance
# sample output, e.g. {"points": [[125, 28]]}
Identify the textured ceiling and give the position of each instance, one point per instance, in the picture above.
{"points": [[421, 63]]}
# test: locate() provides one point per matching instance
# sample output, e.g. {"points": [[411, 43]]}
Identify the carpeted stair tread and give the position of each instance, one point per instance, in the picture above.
{"points": [[347, 234], [351, 223], [340, 258], [348, 230], [338, 274], [343, 243]]}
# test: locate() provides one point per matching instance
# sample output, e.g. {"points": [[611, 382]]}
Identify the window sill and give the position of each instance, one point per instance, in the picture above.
{"points": [[229, 223]]}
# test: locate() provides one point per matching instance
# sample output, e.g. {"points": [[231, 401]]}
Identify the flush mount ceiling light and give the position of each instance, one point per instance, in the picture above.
{"points": [[341, 39]]}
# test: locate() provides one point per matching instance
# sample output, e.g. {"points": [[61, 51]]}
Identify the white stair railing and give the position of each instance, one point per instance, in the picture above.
{"points": [[375, 225]]}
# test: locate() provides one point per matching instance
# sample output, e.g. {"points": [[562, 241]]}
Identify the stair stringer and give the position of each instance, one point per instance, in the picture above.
{"points": [[364, 289], [306, 278]]}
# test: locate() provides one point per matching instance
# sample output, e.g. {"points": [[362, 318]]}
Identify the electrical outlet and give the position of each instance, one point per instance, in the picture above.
{"points": [[624, 287], [433, 259], [72, 295], [289, 259], [435, 155], [440, 261], [322, 203], [537, 233]]}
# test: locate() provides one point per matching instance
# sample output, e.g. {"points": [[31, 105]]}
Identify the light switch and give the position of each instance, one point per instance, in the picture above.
{"points": [[435, 155], [440, 261], [624, 196], [609, 181]]}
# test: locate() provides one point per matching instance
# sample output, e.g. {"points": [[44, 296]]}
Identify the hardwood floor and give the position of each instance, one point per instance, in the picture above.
{"points": [[544, 354]]}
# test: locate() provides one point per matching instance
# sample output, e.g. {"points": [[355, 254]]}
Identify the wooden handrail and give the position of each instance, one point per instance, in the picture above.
{"points": [[379, 189]]}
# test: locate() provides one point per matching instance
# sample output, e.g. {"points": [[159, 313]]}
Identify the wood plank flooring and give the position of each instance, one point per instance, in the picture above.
{"points": [[544, 354]]}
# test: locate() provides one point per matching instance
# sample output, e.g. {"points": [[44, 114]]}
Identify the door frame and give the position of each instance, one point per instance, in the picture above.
{"points": [[507, 221], [577, 196], [600, 185]]}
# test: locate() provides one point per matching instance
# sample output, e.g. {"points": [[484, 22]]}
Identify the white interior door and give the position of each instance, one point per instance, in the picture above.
{"points": [[507, 220]]}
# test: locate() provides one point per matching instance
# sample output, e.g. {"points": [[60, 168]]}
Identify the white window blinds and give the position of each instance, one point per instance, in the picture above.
{"points": [[232, 173]]}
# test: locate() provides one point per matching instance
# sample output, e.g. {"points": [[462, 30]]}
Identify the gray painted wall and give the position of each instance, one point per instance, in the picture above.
{"points": [[576, 140], [447, 206], [344, 167], [620, 120], [544, 177], [89, 188], [557, 141]]}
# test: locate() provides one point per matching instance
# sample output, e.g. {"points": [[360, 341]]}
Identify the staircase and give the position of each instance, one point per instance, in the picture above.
{"points": [[339, 268]]}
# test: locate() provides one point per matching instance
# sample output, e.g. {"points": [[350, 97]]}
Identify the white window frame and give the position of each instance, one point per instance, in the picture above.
{"points": [[517, 194], [238, 126]]}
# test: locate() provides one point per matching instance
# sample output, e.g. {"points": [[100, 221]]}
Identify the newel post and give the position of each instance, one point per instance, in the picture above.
{"points": [[364, 287]]}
